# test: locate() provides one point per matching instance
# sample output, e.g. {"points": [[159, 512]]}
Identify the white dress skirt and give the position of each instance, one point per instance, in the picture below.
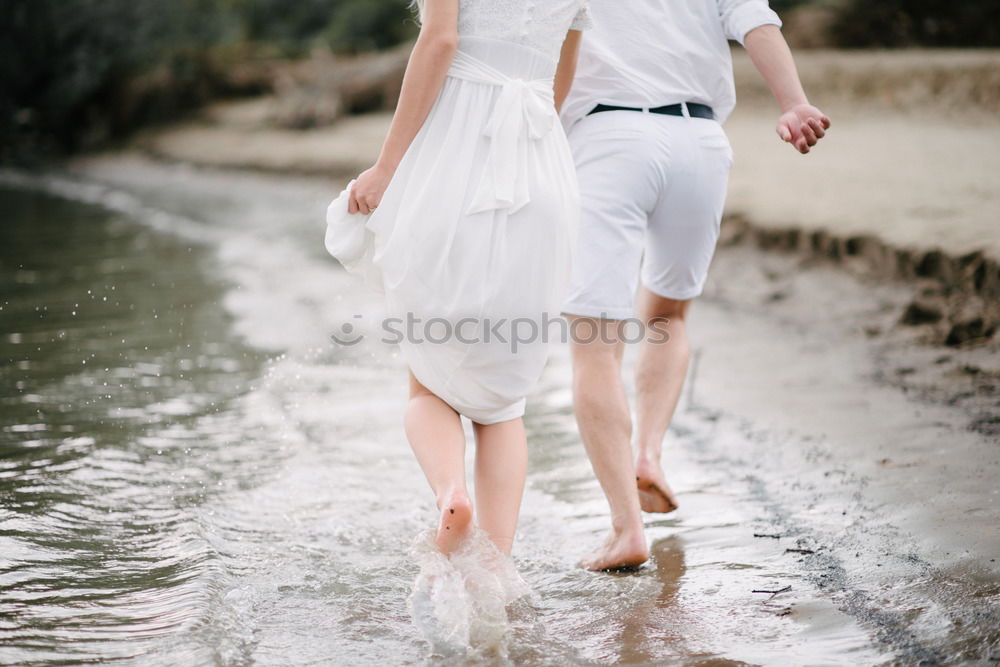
{"points": [[471, 243]]}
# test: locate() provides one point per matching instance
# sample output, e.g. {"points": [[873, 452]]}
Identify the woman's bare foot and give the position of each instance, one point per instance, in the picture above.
{"points": [[654, 493], [621, 550], [456, 520]]}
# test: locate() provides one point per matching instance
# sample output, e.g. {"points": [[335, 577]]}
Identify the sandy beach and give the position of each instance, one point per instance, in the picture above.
{"points": [[913, 181], [912, 166], [834, 436]]}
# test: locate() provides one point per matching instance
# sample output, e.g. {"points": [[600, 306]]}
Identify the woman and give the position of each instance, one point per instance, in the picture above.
{"points": [[471, 211]]}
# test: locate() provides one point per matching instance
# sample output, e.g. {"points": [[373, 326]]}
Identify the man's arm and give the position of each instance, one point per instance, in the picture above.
{"points": [[801, 124]]}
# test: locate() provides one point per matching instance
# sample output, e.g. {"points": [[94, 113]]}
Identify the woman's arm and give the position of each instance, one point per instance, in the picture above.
{"points": [[567, 67], [424, 77]]}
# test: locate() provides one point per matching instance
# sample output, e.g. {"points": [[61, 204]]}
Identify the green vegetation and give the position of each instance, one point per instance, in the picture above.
{"points": [[346, 26], [782, 5], [363, 25], [901, 23], [76, 73]]}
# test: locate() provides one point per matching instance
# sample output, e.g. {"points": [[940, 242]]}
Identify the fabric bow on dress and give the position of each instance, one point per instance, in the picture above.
{"points": [[523, 112]]}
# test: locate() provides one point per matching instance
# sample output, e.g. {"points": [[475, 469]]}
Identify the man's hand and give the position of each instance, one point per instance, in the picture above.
{"points": [[803, 126]]}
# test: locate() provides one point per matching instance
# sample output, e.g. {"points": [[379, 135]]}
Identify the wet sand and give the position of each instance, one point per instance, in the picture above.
{"points": [[871, 465]]}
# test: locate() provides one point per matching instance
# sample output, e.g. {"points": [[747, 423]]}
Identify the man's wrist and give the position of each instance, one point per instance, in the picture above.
{"points": [[792, 104]]}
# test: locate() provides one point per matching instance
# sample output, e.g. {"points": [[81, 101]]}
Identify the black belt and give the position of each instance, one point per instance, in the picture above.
{"points": [[695, 110]]}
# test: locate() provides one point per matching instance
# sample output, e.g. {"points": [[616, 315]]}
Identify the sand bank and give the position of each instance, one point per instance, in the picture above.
{"points": [[913, 156]]}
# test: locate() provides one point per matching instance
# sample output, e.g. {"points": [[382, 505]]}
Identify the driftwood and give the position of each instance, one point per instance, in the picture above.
{"points": [[772, 593], [325, 87]]}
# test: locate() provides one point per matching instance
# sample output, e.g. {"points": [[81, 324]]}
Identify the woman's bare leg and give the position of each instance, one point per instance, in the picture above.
{"points": [[501, 467], [438, 441]]}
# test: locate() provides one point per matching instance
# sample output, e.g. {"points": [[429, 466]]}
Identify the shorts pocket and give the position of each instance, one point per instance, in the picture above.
{"points": [[715, 142]]}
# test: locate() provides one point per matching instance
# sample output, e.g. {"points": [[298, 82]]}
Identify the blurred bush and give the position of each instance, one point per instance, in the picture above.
{"points": [[782, 5], [61, 59], [75, 73], [363, 25], [899, 23], [346, 26]]}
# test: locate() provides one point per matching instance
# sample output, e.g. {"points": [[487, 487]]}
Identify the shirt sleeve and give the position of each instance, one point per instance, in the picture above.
{"points": [[583, 20], [741, 16]]}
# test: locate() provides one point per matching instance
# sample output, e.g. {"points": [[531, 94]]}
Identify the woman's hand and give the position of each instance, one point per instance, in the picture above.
{"points": [[367, 192]]}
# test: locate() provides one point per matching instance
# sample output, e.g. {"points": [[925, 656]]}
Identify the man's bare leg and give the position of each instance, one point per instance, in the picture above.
{"points": [[602, 413], [659, 379]]}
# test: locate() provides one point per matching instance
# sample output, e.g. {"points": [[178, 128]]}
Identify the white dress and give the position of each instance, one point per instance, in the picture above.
{"points": [[472, 240]]}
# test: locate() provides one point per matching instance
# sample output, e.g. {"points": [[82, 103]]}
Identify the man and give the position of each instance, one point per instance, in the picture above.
{"points": [[654, 83]]}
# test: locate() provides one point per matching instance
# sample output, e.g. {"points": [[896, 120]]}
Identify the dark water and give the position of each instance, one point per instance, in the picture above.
{"points": [[193, 474], [118, 372]]}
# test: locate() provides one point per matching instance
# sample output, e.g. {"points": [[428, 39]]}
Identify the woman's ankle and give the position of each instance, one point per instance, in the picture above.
{"points": [[456, 496]]}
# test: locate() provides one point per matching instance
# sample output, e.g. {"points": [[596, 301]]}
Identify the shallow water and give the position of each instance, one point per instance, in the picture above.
{"points": [[193, 473]]}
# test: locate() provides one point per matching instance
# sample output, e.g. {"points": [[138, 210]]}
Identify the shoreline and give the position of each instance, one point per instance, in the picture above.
{"points": [[794, 411]]}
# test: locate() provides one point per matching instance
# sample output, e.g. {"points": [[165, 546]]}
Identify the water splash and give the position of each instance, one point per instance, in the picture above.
{"points": [[459, 603]]}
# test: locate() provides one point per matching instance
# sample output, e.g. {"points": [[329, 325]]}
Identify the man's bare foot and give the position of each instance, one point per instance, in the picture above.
{"points": [[654, 493], [456, 519], [620, 551]]}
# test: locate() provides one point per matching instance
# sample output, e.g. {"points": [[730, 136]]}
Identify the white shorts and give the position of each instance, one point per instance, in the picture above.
{"points": [[652, 190]]}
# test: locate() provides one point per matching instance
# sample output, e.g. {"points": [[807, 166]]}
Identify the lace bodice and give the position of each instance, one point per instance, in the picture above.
{"points": [[539, 24]]}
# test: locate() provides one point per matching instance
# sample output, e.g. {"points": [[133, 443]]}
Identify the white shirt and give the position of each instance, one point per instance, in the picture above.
{"points": [[649, 53]]}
